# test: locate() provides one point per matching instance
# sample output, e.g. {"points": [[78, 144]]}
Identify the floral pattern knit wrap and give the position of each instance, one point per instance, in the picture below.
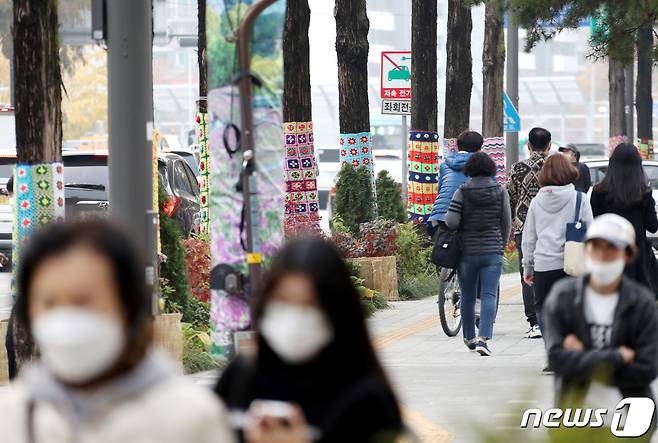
{"points": [[423, 163]]}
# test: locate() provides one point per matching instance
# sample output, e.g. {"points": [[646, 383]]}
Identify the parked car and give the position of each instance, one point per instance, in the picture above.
{"points": [[86, 190], [598, 168]]}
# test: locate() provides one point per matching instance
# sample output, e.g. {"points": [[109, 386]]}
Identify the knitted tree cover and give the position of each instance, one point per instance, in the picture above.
{"points": [[422, 187], [301, 193]]}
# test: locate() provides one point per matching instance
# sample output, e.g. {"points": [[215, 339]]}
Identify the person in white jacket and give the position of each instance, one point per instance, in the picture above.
{"points": [[544, 232], [82, 294]]}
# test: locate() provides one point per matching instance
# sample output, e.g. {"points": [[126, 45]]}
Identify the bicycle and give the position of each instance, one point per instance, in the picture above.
{"points": [[449, 302]]}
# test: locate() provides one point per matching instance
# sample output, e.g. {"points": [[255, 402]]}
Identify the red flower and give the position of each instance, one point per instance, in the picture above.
{"points": [[343, 152], [351, 141], [342, 141], [364, 139], [364, 150], [353, 151], [366, 161], [355, 163]]}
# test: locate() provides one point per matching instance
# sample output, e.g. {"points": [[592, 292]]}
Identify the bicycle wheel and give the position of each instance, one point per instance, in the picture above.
{"points": [[448, 301]]}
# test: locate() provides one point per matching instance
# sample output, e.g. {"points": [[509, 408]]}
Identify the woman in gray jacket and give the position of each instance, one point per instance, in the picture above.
{"points": [[544, 232], [480, 209]]}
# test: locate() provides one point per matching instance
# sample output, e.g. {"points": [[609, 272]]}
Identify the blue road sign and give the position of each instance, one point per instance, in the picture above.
{"points": [[512, 119]]}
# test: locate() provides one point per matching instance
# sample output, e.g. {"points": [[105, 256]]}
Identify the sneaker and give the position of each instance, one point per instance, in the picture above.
{"points": [[482, 349], [534, 332], [547, 371], [470, 344]]}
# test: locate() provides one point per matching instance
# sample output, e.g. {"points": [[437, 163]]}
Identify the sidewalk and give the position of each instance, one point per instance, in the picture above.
{"points": [[449, 392]]}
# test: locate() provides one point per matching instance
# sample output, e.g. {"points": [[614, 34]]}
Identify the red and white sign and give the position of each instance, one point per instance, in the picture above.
{"points": [[396, 75]]}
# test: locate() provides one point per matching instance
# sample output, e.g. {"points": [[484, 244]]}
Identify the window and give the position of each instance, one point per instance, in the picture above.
{"points": [[180, 178], [192, 179]]}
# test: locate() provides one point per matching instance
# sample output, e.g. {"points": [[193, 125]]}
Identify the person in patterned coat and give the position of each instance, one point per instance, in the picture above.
{"points": [[523, 186]]}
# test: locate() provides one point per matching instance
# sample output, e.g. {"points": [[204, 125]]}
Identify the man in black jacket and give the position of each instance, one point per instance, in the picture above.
{"points": [[584, 180], [602, 326]]}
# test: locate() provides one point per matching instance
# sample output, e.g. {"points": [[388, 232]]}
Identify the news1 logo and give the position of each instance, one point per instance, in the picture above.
{"points": [[631, 417]]}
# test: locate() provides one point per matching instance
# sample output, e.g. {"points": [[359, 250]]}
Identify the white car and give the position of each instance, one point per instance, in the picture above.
{"points": [[598, 168]]}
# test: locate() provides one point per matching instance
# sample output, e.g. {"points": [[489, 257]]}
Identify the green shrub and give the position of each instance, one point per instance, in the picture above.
{"points": [[511, 262], [389, 198], [199, 314], [174, 267], [196, 357], [354, 200], [417, 287], [411, 258]]}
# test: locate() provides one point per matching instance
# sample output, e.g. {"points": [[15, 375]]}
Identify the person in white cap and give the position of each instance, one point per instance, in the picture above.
{"points": [[602, 326]]}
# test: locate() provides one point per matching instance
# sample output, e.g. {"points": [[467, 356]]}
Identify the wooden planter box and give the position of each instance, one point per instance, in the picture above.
{"points": [[168, 336], [380, 274], [4, 363]]}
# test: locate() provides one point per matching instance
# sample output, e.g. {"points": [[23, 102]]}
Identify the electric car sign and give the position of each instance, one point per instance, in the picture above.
{"points": [[631, 417]]}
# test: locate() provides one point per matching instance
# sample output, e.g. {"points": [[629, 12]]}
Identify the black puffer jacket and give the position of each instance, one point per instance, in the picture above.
{"points": [[635, 325], [480, 210]]}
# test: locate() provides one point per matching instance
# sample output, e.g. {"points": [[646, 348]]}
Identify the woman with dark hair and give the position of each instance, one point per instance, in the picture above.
{"points": [[82, 294], [625, 191], [544, 232], [480, 210], [315, 376]]}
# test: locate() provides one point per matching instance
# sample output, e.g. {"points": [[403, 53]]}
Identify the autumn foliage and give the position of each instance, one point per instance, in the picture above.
{"points": [[198, 268]]}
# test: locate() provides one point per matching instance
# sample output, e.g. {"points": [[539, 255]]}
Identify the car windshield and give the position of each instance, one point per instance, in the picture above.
{"points": [[190, 159], [597, 174], [86, 170]]}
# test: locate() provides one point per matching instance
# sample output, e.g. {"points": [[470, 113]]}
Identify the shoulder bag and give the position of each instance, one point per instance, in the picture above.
{"points": [[574, 247]]}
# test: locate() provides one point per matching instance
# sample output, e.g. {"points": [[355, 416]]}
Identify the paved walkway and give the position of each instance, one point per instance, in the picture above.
{"points": [[448, 393]]}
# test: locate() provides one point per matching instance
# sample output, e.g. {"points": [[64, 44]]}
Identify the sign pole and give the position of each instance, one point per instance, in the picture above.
{"points": [[512, 151], [405, 165]]}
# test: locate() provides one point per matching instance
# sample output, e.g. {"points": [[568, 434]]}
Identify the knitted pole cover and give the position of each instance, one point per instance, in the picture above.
{"points": [[494, 147], [646, 148], [204, 171], [301, 194], [38, 200], [422, 187]]}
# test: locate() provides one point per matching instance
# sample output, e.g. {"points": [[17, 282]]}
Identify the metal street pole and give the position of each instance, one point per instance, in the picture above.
{"points": [[512, 142], [249, 191], [629, 93], [405, 165], [130, 112]]}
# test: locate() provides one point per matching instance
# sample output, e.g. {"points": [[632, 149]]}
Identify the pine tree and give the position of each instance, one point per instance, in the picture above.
{"points": [[389, 198], [354, 199]]}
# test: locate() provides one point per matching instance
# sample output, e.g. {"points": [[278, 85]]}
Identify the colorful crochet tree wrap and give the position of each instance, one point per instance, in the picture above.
{"points": [[204, 172], [422, 186], [494, 147], [38, 200], [156, 187], [449, 145], [356, 150], [646, 148], [301, 194], [615, 141]]}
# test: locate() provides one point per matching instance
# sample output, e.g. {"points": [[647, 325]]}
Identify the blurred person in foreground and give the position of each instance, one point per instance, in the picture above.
{"points": [[451, 176], [603, 326], [315, 376], [584, 180], [523, 186], [480, 211], [81, 292], [625, 191]]}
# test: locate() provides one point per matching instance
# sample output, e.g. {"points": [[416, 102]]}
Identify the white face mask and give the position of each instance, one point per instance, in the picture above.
{"points": [[296, 333], [77, 344], [605, 272]]}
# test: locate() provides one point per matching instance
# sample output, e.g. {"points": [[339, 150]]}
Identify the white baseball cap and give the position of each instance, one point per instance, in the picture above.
{"points": [[612, 228]]}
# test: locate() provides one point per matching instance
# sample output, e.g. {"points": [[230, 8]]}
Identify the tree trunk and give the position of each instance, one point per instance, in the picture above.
{"points": [[38, 100], [493, 70], [302, 204], [423, 69], [296, 63], [644, 99], [202, 56], [616, 97], [38, 92], [352, 27], [459, 69]]}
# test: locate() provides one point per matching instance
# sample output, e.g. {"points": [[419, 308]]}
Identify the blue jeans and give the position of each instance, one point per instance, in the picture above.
{"points": [[486, 270]]}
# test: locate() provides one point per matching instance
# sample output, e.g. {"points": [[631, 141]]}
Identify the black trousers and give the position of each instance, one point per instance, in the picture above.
{"points": [[528, 291], [543, 283]]}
